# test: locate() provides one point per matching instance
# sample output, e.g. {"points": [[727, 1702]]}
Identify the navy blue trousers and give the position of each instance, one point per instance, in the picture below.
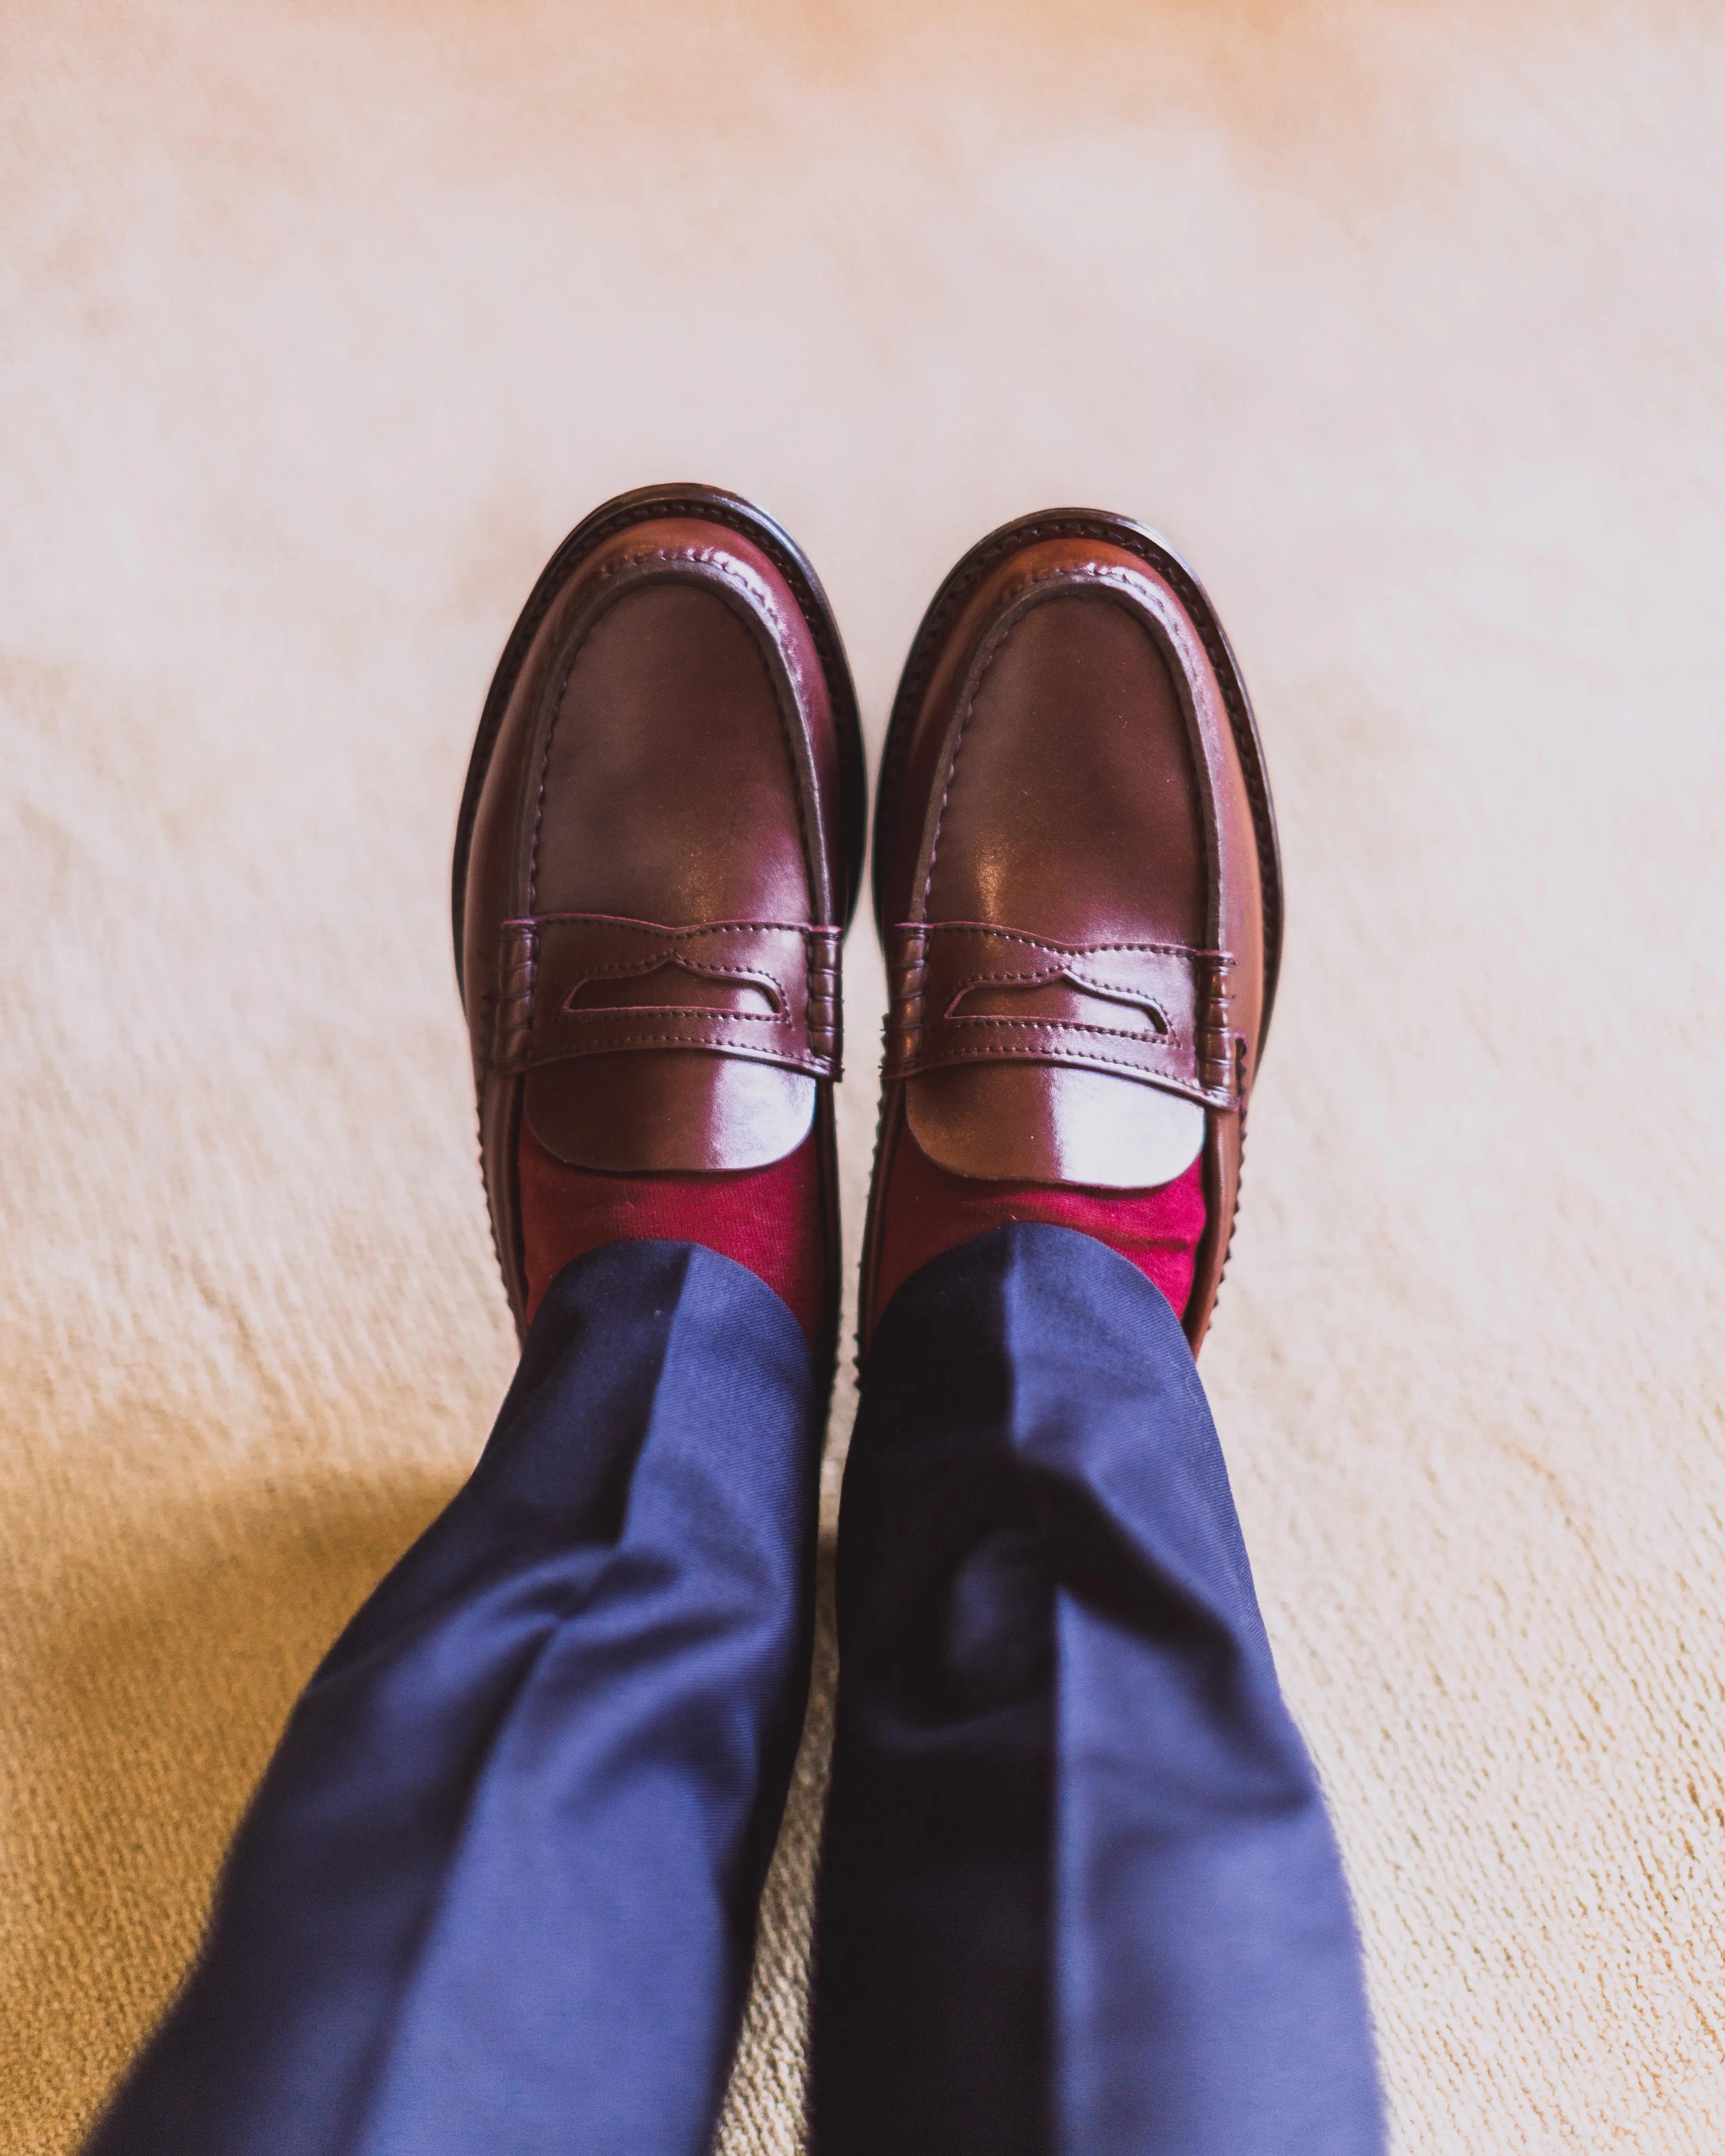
{"points": [[497, 1893]]}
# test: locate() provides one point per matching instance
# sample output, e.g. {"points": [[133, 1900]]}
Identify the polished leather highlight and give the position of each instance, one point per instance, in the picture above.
{"points": [[657, 855], [1076, 880]]}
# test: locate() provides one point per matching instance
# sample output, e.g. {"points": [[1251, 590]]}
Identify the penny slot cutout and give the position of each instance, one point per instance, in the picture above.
{"points": [[1056, 1000], [676, 985]]}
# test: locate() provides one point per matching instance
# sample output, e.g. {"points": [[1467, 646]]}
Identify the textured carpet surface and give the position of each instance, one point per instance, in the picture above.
{"points": [[323, 323]]}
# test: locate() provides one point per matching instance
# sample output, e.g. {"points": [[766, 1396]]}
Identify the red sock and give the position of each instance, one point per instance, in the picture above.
{"points": [[768, 1218], [928, 1210]]}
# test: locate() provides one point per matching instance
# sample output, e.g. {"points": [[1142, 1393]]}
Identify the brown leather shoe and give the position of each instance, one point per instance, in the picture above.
{"points": [[658, 853], [1077, 887]]}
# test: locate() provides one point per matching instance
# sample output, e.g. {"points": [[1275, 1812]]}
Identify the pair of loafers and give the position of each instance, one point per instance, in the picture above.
{"points": [[1076, 878]]}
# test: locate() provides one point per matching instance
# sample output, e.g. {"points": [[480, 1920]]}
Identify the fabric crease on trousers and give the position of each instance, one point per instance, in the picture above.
{"points": [[1079, 1896]]}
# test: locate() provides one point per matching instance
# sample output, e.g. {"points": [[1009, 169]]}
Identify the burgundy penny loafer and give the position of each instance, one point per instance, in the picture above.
{"points": [[1079, 893], [659, 849]]}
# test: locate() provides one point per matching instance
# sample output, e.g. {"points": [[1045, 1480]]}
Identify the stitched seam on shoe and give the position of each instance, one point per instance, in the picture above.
{"points": [[759, 974], [759, 618], [562, 690], [1129, 989], [1037, 942], [669, 928], [1058, 1026], [693, 1040], [683, 1010], [1095, 577], [952, 761], [1168, 1036], [931, 639], [546, 592], [708, 559], [627, 966], [744, 972], [932, 928], [1121, 1062]]}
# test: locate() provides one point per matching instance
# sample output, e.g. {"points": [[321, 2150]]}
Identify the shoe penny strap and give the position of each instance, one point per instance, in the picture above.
{"points": [[594, 983], [1169, 1026]]}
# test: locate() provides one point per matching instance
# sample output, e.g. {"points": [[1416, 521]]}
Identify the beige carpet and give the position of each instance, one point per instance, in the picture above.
{"points": [[323, 322]]}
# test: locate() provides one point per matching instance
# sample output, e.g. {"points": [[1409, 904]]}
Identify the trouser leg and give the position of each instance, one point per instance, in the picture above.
{"points": [[496, 1894], [1079, 1895]]}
